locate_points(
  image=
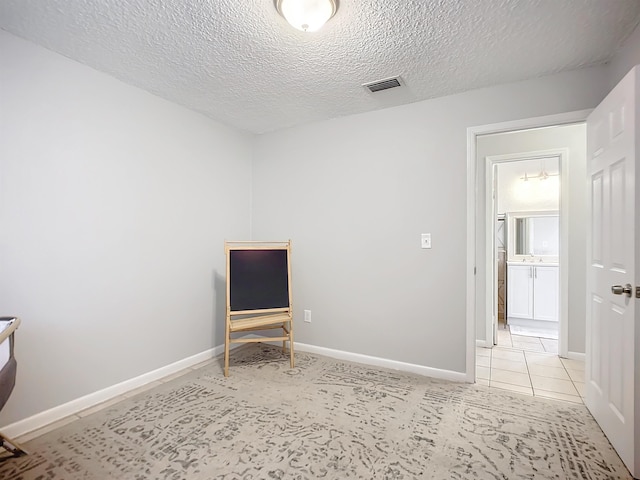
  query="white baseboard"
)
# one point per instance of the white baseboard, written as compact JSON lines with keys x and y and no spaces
{"x":73,"y":407}
{"x":59,"y":412}
{"x":373,"y":361}
{"x":484,"y":344}
{"x":576,"y":356}
{"x":383,"y":362}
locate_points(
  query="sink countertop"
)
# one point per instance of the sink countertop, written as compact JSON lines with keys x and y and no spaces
{"x":538,"y":263}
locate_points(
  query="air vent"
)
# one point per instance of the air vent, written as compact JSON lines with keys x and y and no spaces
{"x":385,"y":84}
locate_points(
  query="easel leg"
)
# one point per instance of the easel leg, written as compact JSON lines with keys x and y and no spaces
{"x":291,"y":344}
{"x":226,"y":350}
{"x":12,"y":446}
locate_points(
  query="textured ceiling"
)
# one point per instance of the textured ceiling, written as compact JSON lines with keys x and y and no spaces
{"x":239,"y":62}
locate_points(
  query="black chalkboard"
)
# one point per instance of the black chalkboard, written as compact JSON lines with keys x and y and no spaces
{"x":258,"y":279}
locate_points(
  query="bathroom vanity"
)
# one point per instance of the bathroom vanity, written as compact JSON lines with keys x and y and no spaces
{"x":533,"y":280}
{"x":532,"y":292}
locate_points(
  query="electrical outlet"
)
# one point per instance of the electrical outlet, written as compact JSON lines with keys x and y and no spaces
{"x":307,"y":316}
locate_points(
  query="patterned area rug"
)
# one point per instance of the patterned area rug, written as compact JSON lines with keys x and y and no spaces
{"x":324,"y":419}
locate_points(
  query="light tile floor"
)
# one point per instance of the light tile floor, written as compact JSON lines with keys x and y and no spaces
{"x":530,"y":365}
{"x":531,"y":344}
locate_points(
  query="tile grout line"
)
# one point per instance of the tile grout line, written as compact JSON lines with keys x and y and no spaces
{"x":533,"y":392}
{"x":524,"y":356}
{"x":524,"y":353}
{"x":572,"y":380}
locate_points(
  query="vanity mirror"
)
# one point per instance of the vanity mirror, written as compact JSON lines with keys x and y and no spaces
{"x":533,"y":236}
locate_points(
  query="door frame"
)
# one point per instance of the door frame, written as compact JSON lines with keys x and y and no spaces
{"x":476,"y":287}
{"x":562,"y":154}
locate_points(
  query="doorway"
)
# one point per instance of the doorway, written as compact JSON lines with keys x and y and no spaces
{"x":525,"y":221}
{"x":567,"y":144}
{"x":480,"y":240}
{"x":533,"y":165}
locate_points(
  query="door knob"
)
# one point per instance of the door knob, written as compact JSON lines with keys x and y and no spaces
{"x":619,"y":289}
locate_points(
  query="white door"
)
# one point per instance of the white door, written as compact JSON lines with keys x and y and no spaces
{"x":546,"y":293}
{"x":613,"y":327}
{"x":520,"y":291}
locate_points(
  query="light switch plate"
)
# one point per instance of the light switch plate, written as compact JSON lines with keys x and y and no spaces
{"x":426,"y":240}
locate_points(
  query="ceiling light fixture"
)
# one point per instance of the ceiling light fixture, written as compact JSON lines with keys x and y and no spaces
{"x":307,"y":15}
{"x":543,"y":175}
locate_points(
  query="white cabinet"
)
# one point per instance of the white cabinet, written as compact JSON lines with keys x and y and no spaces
{"x":545,"y":293}
{"x":520,"y":291}
{"x":533,"y":292}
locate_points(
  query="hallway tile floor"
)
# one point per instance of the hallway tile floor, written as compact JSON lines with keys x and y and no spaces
{"x":532,"y":344}
{"x":531,"y":366}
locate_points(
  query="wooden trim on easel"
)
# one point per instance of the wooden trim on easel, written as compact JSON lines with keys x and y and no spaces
{"x":253,"y":312}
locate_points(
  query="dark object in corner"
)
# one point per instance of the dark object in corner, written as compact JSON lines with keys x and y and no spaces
{"x":8,"y":371}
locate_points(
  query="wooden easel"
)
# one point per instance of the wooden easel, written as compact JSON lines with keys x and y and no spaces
{"x":265,"y":302}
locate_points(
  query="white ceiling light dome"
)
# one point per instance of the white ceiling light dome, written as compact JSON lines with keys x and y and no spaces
{"x":307,"y":15}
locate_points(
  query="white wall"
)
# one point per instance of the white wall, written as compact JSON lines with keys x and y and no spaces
{"x":626,"y":58}
{"x":114,"y":205}
{"x":572,"y":137}
{"x":354,"y":194}
{"x":516,"y":195}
